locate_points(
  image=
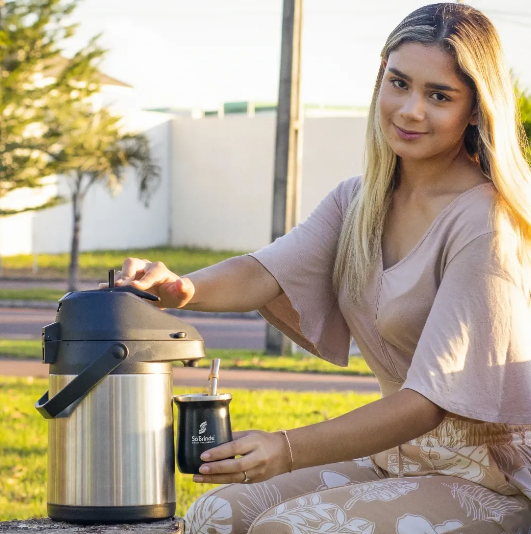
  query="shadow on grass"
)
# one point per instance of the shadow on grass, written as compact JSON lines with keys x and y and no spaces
{"x":24,"y":452}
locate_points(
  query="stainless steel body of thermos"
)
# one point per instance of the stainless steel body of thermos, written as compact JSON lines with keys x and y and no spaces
{"x":111,"y":455}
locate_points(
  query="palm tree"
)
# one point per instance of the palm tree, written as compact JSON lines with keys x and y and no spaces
{"x":90,"y":148}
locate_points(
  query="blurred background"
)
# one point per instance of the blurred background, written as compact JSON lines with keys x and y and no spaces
{"x":200,"y":82}
{"x":148,"y":130}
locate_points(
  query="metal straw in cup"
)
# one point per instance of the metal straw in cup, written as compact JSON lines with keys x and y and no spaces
{"x":213,"y":377}
{"x":204,"y":422}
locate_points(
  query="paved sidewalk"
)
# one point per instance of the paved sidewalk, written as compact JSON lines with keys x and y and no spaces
{"x":231,"y":379}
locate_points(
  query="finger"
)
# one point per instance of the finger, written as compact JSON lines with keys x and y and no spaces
{"x":182,"y":289}
{"x":231,"y":466}
{"x":117,"y":278}
{"x":155,"y":274}
{"x":241,"y":434}
{"x":132,"y":269}
{"x":236,"y":447}
{"x":235,"y":478}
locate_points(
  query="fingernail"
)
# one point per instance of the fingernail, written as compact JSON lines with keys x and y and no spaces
{"x":205,"y":456}
{"x":204,"y":469}
{"x":197,"y":478}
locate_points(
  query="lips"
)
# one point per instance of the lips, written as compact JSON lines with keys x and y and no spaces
{"x":409,"y":131}
{"x":408,"y":135}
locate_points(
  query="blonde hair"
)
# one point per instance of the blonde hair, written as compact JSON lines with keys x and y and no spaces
{"x":497,"y":143}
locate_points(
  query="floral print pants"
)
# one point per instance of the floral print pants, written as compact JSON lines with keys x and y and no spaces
{"x":358,"y":497}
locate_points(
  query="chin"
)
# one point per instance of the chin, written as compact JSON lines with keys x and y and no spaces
{"x":409,"y":152}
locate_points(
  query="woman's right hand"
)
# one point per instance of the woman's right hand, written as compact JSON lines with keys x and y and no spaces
{"x":157,"y":279}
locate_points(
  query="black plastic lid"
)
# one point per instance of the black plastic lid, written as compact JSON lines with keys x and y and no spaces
{"x":115,"y":314}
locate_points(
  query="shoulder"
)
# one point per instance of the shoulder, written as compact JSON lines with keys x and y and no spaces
{"x":473,"y":214}
{"x":481,"y":236}
{"x":344,"y":192}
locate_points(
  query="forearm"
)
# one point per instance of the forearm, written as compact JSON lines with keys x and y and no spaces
{"x":237,"y":284}
{"x":373,"y":428}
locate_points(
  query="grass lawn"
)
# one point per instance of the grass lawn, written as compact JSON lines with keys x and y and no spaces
{"x":94,"y":265}
{"x":31,"y":294}
{"x":230,"y":359}
{"x":23,"y":439}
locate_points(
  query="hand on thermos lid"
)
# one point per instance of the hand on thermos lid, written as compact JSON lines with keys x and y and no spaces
{"x":157,"y":279}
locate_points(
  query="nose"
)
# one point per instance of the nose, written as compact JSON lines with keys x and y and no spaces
{"x":413,"y":108}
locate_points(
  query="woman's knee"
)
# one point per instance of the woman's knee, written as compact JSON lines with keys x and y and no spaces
{"x":213,"y":510}
{"x":230,"y":509}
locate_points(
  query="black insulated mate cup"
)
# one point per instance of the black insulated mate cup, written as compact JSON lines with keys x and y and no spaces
{"x":204,"y":423}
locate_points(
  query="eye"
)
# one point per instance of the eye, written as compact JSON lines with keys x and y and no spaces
{"x":393,"y":80}
{"x":444,"y":97}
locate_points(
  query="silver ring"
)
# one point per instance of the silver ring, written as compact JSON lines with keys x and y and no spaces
{"x":246,"y":479}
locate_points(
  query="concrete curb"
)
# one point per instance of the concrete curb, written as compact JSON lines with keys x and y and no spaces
{"x":36,"y":304}
{"x":52,"y":305}
{"x":174,"y":525}
{"x":232,"y":378}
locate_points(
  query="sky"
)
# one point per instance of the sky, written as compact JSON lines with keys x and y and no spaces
{"x":201,"y":53}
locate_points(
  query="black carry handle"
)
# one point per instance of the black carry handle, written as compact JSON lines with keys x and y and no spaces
{"x":83,"y":383}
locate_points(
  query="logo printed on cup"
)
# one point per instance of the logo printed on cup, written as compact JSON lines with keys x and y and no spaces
{"x":203,"y":439}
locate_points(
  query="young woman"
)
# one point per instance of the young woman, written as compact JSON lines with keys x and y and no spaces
{"x":425,"y":261}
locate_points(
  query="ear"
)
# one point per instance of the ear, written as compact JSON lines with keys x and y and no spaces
{"x":474,"y":117}
{"x":384,"y":63}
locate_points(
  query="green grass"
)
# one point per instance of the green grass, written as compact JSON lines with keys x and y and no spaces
{"x":230,"y":359}
{"x":32,"y":294}
{"x":23,"y":439}
{"x":94,"y":265}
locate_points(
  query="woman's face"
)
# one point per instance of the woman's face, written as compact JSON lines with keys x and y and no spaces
{"x":422,"y":93}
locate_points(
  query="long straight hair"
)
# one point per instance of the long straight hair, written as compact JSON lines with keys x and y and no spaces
{"x":497,"y":143}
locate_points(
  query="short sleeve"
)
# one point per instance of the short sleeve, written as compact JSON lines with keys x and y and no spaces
{"x":302,"y":262}
{"x":473,"y":357}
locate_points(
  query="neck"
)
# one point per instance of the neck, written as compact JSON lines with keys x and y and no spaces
{"x":434,"y":175}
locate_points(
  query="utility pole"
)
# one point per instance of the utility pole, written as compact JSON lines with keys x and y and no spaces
{"x":288,"y":146}
{"x":2,"y":5}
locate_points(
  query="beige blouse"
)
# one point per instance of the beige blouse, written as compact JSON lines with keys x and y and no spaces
{"x":451,"y":320}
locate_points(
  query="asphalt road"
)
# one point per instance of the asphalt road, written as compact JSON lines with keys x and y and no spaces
{"x":218,"y":333}
{"x":223,"y":333}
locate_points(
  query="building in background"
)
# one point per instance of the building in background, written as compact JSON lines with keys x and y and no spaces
{"x":216,"y":184}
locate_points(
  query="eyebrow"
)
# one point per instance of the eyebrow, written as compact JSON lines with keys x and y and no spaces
{"x":439,"y":86}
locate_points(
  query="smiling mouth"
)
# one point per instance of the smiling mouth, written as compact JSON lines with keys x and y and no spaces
{"x":408,"y":131}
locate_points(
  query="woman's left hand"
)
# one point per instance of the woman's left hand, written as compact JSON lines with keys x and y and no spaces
{"x":263,"y":456}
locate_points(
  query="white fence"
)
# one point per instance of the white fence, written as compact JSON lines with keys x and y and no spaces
{"x":216,"y":187}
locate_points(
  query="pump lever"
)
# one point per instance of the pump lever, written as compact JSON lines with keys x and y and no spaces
{"x":128,"y":289}
{"x":134,"y":290}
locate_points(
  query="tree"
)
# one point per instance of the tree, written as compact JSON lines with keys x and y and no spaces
{"x":30,"y":35}
{"x":48,"y":124}
{"x":524,"y":105}
{"x":90,"y":148}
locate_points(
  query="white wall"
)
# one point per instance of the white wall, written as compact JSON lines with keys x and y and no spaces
{"x":108,"y":222}
{"x":223,"y":175}
{"x":216,"y":187}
